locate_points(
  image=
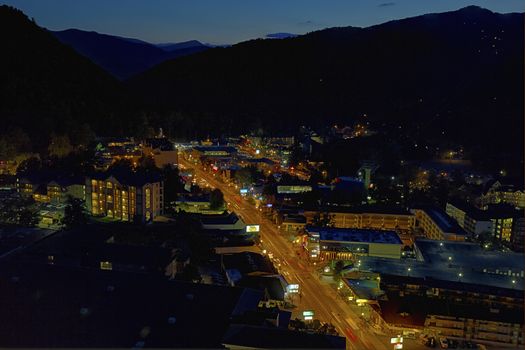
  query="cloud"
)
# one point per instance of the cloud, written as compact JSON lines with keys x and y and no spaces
{"x":308,"y":23}
{"x":386,"y":4}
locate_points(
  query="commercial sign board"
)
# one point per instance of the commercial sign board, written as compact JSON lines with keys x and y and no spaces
{"x":293,"y":288}
{"x":308,"y":315}
{"x":293,"y":189}
{"x":396,"y":340}
{"x":244,"y":190}
{"x":252,"y":228}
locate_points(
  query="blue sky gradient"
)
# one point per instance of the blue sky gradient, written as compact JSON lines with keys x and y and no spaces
{"x":230,"y":21}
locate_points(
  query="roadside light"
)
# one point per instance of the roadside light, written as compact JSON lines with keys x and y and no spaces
{"x":449,"y":258}
{"x":441,"y":244}
{"x":264,"y":251}
{"x":513,"y":281}
{"x":409,"y":269}
{"x":460,"y":274}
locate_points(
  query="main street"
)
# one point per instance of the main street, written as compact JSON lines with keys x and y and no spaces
{"x":315,"y":295}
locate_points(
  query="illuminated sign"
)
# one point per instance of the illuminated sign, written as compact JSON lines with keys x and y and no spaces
{"x":308,"y":315}
{"x":396,"y":340}
{"x":293,"y":189}
{"x":244,"y":190}
{"x":252,"y":228}
{"x":293,"y":288}
{"x":398,"y":346}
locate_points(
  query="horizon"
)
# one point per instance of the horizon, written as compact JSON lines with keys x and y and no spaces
{"x":229,"y":22}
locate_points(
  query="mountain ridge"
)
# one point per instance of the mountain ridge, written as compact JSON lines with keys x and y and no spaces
{"x":123,"y":57}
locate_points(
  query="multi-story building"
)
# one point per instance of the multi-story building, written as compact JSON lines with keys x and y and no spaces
{"x":436,"y":224}
{"x":455,"y":289}
{"x":328,"y":243}
{"x":367,"y":217}
{"x":45,"y":188}
{"x":495,"y":220}
{"x":127,"y":196}
{"x":500,"y":193}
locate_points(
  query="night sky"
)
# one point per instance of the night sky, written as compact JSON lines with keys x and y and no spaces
{"x":230,"y":21}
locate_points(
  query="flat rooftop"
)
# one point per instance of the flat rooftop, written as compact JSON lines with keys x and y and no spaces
{"x":455,"y":262}
{"x":355,"y":235}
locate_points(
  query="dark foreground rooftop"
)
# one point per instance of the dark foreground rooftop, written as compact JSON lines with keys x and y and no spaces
{"x":50,"y":306}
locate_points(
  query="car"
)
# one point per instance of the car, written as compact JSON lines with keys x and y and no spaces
{"x":443,"y":342}
{"x":431,"y":342}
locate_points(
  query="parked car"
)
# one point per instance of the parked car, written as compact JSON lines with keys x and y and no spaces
{"x":443,"y":342}
{"x":431,"y":342}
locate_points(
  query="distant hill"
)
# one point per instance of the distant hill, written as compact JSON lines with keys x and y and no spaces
{"x":46,"y":86}
{"x":454,"y":76}
{"x":124,"y":57}
{"x":182,"y":45}
{"x":280,"y":35}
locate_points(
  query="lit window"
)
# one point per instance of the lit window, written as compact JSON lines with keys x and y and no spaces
{"x":148,"y":198}
{"x":109,"y":185}
{"x":106,"y":265}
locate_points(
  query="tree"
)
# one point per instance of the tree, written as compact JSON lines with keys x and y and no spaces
{"x":172,"y":183}
{"x":191,"y":274}
{"x":74,"y":213}
{"x":216,"y":199}
{"x":323,"y":220}
{"x":338,"y":269}
{"x":147,"y":162}
{"x":82,"y":136}
{"x":59,"y":146}
{"x":121,"y":165}
{"x":29,"y":165}
{"x":244,"y":176}
{"x":19,"y":212}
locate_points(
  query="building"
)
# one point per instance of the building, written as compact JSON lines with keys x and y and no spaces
{"x":436,"y":224}
{"x":293,"y":223}
{"x":193,"y":203}
{"x":372,"y":217}
{"x":45,"y":305}
{"x":213,"y":151}
{"x":126,"y":195}
{"x":497,"y":192}
{"x":241,"y":336}
{"x":163,"y":151}
{"x":344,"y":244}
{"x":51,"y":188}
{"x":496,"y":221}
{"x":225,"y":221}
{"x":455,"y":289}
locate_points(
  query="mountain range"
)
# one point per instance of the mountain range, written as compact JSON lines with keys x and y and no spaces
{"x":452,"y":77}
{"x":124,"y":57}
{"x":458,"y":74}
